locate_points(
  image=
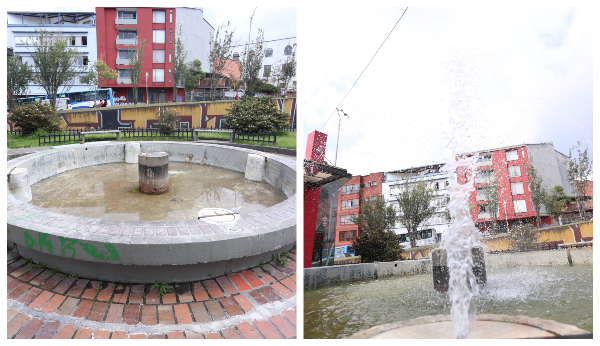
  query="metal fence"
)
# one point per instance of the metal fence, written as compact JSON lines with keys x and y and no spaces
{"x":261,"y":137}
{"x":187,"y":133}
{"x":59,"y":138}
{"x":15,"y":132}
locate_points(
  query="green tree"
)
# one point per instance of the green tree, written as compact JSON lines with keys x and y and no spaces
{"x":253,"y":114}
{"x":99,"y":73}
{"x":194,"y":74}
{"x":136,"y":61}
{"x":263,"y":87}
{"x":579,"y":171}
{"x":180,"y":68}
{"x":556,"y":200}
{"x":167,"y":119}
{"x":415,"y":207}
{"x":35,"y":116}
{"x":18,"y":76}
{"x":54,"y":63}
{"x":220,"y":55}
{"x":252,"y":62}
{"x":288,"y":69}
{"x":376,"y":241}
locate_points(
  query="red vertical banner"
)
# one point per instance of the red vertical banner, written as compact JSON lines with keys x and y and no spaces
{"x":315,"y":151}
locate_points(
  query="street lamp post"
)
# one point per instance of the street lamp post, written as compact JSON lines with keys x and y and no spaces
{"x":147,"y":96}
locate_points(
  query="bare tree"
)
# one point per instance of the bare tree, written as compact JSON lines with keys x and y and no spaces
{"x":538,"y":192}
{"x":415,"y":207}
{"x":180,"y":68}
{"x":18,"y":76}
{"x":136,"y":61}
{"x":220,"y":55}
{"x":54,"y":63}
{"x":579,"y":171}
{"x":252,"y":61}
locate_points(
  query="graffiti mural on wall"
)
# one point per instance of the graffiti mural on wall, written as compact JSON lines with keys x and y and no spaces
{"x":109,"y":119}
{"x":68,"y":248}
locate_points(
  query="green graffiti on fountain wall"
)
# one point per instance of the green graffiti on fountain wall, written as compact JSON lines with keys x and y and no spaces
{"x":67,"y":246}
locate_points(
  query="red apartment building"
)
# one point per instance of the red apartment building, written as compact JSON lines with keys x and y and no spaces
{"x":118,"y":29}
{"x":349,"y":204}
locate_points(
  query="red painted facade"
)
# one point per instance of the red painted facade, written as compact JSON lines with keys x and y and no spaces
{"x":370,"y":186}
{"x":315,"y":151}
{"x":106,"y":31}
{"x":506,"y":198}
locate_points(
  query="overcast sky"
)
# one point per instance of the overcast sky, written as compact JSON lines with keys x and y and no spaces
{"x":505,"y":76}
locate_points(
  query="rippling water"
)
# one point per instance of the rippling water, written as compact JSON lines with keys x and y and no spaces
{"x":559,"y":293}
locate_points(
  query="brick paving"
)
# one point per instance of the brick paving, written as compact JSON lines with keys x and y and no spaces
{"x":45,"y":304}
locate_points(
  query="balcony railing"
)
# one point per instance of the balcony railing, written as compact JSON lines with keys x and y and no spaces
{"x":125,"y":21}
{"x":126,"y":41}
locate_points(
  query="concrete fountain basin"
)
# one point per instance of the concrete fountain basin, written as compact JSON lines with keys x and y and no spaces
{"x":144,"y":252}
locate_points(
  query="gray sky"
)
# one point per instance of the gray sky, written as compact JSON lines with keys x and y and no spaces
{"x":505,"y":76}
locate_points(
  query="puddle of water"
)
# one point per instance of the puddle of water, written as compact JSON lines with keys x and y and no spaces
{"x":111,"y":191}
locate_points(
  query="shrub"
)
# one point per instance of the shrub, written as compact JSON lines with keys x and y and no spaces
{"x":167,"y":119}
{"x":378,"y":245}
{"x":35,"y":116}
{"x":254,"y":114}
{"x":263,"y":87}
{"x":523,"y":237}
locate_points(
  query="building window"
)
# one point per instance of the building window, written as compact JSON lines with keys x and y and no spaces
{"x":82,"y":61}
{"x":171,"y":16}
{"x":236,"y":56}
{"x":158,"y":16}
{"x":350,"y":189}
{"x":170,"y":77}
{"x":127,"y":14}
{"x":269,"y":53}
{"x":84,"y":40}
{"x":346,"y":219}
{"x":170,"y":55}
{"x":484,"y":157}
{"x":512,"y":155}
{"x":267,"y":71}
{"x":72,"y":41}
{"x":158,"y":56}
{"x":487,"y":174}
{"x":483,"y":208}
{"x":373,"y":183}
{"x":126,"y":54}
{"x":514,"y":171}
{"x":520,"y":206}
{"x":127,"y":34}
{"x":158,"y":36}
{"x":348,"y":235}
{"x":158,"y":75}
{"x":171,"y":36}
{"x":124,"y":73}
{"x":481,"y":192}
{"x":517,"y":188}
{"x":287,"y":50}
{"x":350,"y":204}
{"x":140,"y":95}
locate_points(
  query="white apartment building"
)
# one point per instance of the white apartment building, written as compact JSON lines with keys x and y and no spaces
{"x":434,"y":229}
{"x":81,"y":25}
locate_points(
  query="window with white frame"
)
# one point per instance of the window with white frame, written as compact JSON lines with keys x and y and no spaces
{"x":373,"y":183}
{"x":127,"y":14}
{"x":481,"y":191}
{"x":483,"y":208}
{"x":269,"y":53}
{"x":287,"y":50}
{"x":349,"y":204}
{"x":267,"y":71}
{"x":346,"y":220}
{"x":395,"y":190}
{"x":514,"y":171}
{"x":158,"y":16}
{"x":517,"y":188}
{"x":158,"y":55}
{"x":484,"y":157}
{"x":170,"y":52}
{"x":520,"y":206}
{"x":484,"y":174}
{"x":84,"y":40}
{"x":171,"y":16}
{"x":512,"y":155}
{"x":170,"y":78}
{"x":158,"y":36}
{"x":171,"y":36}
{"x":126,"y":53}
{"x":350,"y":189}
{"x":126,"y":34}
{"x":124,"y":73}
{"x":158,"y":75}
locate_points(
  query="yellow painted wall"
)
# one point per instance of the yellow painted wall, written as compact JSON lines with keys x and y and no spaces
{"x":587,"y":230}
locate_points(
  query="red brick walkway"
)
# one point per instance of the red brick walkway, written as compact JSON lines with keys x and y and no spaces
{"x":254,"y":304}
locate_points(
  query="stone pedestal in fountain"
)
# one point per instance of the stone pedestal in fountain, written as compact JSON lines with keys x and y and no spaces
{"x":153,"y":170}
{"x":18,"y":184}
{"x":441,"y":273}
{"x":487,"y":326}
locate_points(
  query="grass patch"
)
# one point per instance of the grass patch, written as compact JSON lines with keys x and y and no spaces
{"x":284,"y":140}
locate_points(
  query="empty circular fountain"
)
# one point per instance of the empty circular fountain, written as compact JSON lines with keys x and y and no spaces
{"x":177,"y":249}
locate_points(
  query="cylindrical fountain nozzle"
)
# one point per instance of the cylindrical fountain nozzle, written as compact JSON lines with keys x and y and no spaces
{"x":153,"y":169}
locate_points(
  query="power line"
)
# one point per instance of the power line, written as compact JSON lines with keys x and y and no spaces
{"x":279,"y":39}
{"x":332,"y":113}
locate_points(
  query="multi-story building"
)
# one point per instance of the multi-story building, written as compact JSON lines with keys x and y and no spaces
{"x":509,"y":168}
{"x":121,"y":29}
{"x":350,"y":197}
{"x":276,"y":53}
{"x":395,"y":181}
{"x":23,"y":26}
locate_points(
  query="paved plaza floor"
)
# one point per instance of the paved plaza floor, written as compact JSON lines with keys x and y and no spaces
{"x":254,"y":304}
